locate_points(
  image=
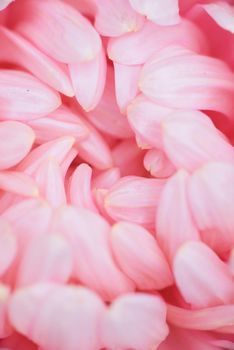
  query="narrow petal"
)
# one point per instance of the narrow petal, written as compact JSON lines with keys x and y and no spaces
{"x":88,"y":79}
{"x":8,"y":246}
{"x":191,"y":140}
{"x":50,"y":181}
{"x":174,"y":223}
{"x":136,"y":48}
{"x":222,"y":13}
{"x":5,"y":327}
{"x":202,"y":278}
{"x":77,"y":311}
{"x":80,"y":192}
{"x":16,"y":140}
{"x":158,"y":165}
{"x":46,"y":258}
{"x":34,"y":98}
{"x":134,"y":199}
{"x":116,"y":17}
{"x":56,"y":149}
{"x":94,"y":267}
{"x":139,"y":256}
{"x":126,"y":79}
{"x":180,"y":78}
{"x":211,"y":318}
{"x":20,"y":51}
{"x":18,"y":183}
{"x":135,"y":321}
{"x":52,"y":27}
{"x":160,"y":12}
{"x":145,"y":118}
{"x":211,"y":199}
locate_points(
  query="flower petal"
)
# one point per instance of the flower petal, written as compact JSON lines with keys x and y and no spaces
{"x":222,"y":13}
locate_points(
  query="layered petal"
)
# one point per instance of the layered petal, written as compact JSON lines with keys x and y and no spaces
{"x":136,"y":48}
{"x":135,"y":321}
{"x":88,"y":235}
{"x":211,"y":199}
{"x":46,"y":258}
{"x":160,"y":12}
{"x":191,"y":140}
{"x":174,"y":222}
{"x":180,"y":78}
{"x":77,"y":311}
{"x":134,"y":199}
{"x":139,"y":256}
{"x":52,"y":27}
{"x":202,"y":278}
{"x":20,"y":51}
{"x":34,"y":98}
{"x":116,"y":17}
{"x":88,"y":79}
{"x":16,"y":140}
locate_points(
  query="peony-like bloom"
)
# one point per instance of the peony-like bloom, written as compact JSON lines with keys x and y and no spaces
{"x":116,"y":174}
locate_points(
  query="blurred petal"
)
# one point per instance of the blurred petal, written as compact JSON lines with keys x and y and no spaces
{"x":160,"y":12}
{"x":211,"y":199}
{"x":138,"y":47}
{"x":5,"y":327}
{"x":19,"y":51}
{"x":116,"y":17}
{"x":8,"y":246}
{"x":135,"y":321}
{"x":139,"y":256}
{"x":88,"y":79}
{"x":18,"y":183}
{"x":52,"y":27}
{"x":202,"y":278}
{"x":77,"y":311}
{"x":174,"y":223}
{"x":222,"y":13}
{"x":34,"y":98}
{"x":16,"y":140}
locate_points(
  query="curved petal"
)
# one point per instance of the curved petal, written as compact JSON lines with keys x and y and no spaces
{"x":158,"y":165}
{"x":222,"y":13}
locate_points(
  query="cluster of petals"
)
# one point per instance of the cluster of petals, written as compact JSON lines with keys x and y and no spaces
{"x":116,"y":174}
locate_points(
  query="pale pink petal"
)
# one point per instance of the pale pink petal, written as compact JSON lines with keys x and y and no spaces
{"x":134,"y":199}
{"x":8,"y":246}
{"x":107,"y":117}
{"x":139,"y":256}
{"x":50,"y":181}
{"x":65,"y":164}
{"x":222,"y":13}
{"x":88,"y":79}
{"x":56,"y":149}
{"x":116,"y":17}
{"x":174,"y":223}
{"x":126,"y":80}
{"x":23,"y":214}
{"x":211,"y":199}
{"x":34,"y":98}
{"x":202,"y":278}
{"x":86,"y":7}
{"x":16,"y":140}
{"x":138,"y":47}
{"x":53,"y":26}
{"x":162,"y":12}
{"x":106,"y":178}
{"x":205,"y":319}
{"x":80,"y":192}
{"x":4,"y":4}
{"x":19,"y":51}
{"x":129,"y":158}
{"x":88,"y":235}
{"x":46,"y":258}
{"x":18,"y":183}
{"x":5,"y":327}
{"x":63,"y":316}
{"x":157,"y":163}
{"x":135,"y":321}
{"x":145,"y":118}
{"x":231,"y":261}
{"x":190,"y":140}
{"x":180,"y":78}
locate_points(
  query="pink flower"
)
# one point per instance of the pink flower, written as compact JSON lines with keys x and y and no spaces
{"x":116,"y":175}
